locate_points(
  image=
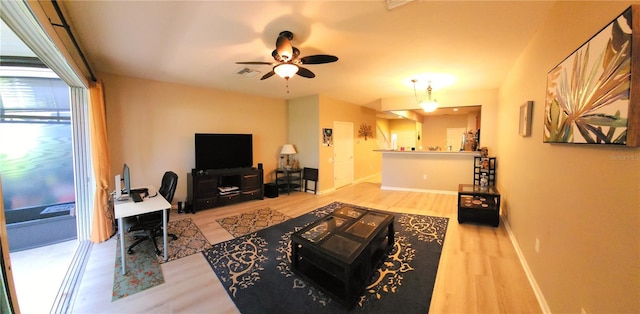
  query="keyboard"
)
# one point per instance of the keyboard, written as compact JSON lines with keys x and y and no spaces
{"x":136,"y":197}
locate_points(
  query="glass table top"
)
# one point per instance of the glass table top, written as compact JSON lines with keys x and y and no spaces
{"x":366,"y":225}
{"x":322,"y":228}
{"x":470,"y":188}
{"x":345,"y":231}
{"x":349,"y":212}
{"x":341,"y":245}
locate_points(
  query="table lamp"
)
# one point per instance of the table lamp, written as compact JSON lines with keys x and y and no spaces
{"x":288,"y":149}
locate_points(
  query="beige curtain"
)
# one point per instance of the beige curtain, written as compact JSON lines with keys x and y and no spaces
{"x":102,"y":225}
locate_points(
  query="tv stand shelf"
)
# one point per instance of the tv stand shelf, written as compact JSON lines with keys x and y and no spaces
{"x":215,"y":188}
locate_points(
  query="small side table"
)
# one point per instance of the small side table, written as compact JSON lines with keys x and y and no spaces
{"x":478,"y":204}
{"x":289,"y":179}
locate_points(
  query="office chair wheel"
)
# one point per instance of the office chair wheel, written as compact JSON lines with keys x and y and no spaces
{"x":173,"y":236}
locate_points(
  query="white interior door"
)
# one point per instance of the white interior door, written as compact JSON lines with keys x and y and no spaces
{"x":342,"y":153}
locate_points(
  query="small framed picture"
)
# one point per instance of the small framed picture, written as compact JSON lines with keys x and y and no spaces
{"x":525,"y":119}
{"x":327,"y":137}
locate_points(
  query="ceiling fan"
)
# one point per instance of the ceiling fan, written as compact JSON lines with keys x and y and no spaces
{"x":287,"y":63}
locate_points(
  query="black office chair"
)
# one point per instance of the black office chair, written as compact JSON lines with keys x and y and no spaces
{"x":151,"y":224}
{"x":310,"y":174}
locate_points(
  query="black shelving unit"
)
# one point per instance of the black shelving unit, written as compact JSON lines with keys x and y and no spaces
{"x":484,"y":165}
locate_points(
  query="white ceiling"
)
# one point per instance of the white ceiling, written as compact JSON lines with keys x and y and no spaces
{"x":380,"y":50}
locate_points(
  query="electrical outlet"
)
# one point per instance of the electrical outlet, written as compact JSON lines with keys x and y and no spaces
{"x":537,"y":245}
{"x":424,"y":177}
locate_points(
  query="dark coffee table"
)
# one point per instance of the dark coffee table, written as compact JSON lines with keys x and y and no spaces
{"x":340,"y":251}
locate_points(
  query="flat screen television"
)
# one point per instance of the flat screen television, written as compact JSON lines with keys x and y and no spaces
{"x":223,"y":151}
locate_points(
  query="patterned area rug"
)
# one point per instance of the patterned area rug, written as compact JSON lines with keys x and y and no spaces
{"x":143,"y":267}
{"x":255,"y":269}
{"x":252,"y":221}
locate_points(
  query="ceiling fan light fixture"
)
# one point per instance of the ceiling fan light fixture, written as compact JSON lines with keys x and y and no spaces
{"x":286,"y":70}
{"x":286,"y":52}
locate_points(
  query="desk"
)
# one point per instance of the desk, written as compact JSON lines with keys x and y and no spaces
{"x":128,"y":208}
{"x":285,"y":182}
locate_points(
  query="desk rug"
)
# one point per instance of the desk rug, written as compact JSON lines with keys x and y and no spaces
{"x":255,"y":269}
{"x":143,"y":267}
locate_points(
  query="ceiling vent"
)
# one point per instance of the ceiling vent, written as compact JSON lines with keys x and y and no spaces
{"x":392,"y":4}
{"x":247,"y":72}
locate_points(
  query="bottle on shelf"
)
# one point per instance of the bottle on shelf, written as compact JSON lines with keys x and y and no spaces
{"x":484,"y":181}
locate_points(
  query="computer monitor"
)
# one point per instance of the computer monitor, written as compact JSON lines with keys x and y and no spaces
{"x":126,"y":177}
{"x":118,"y":187}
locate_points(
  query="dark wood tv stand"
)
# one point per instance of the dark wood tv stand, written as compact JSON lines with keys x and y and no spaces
{"x":214,"y":188}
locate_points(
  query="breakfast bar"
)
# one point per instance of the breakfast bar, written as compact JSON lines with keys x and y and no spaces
{"x":426,"y":171}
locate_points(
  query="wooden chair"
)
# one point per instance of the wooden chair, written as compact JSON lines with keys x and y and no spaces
{"x":310,"y":174}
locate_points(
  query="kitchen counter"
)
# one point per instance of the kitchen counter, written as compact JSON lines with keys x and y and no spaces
{"x":426,"y":171}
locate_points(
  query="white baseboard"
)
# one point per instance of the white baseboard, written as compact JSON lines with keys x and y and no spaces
{"x":392,"y":188}
{"x":532,"y":280}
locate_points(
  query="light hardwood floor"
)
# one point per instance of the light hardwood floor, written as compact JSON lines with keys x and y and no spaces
{"x":38,"y":274}
{"x":479,"y":270}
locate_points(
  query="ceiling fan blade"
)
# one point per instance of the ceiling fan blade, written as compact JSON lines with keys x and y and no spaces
{"x":268,"y":75}
{"x":305,"y":72}
{"x":255,"y":62}
{"x":318,"y":59}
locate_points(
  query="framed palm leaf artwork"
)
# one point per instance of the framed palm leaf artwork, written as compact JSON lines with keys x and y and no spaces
{"x":593,"y":96}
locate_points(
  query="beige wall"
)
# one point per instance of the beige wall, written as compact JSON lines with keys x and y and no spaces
{"x":439,"y":172}
{"x":383,"y":137}
{"x":366,"y":161}
{"x":303,"y":130}
{"x":582,"y":202}
{"x":406,"y":131}
{"x":487,"y":98}
{"x":151,"y":126}
{"x":434,"y":129}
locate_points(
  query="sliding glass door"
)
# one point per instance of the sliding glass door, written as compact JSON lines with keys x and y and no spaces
{"x":28,"y":21}
{"x":36,"y":157}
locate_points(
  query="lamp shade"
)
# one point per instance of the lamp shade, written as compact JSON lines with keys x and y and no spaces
{"x":287,"y":149}
{"x":286,"y":70}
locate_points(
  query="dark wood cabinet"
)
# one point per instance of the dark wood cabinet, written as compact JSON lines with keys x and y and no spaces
{"x":214,"y":188}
